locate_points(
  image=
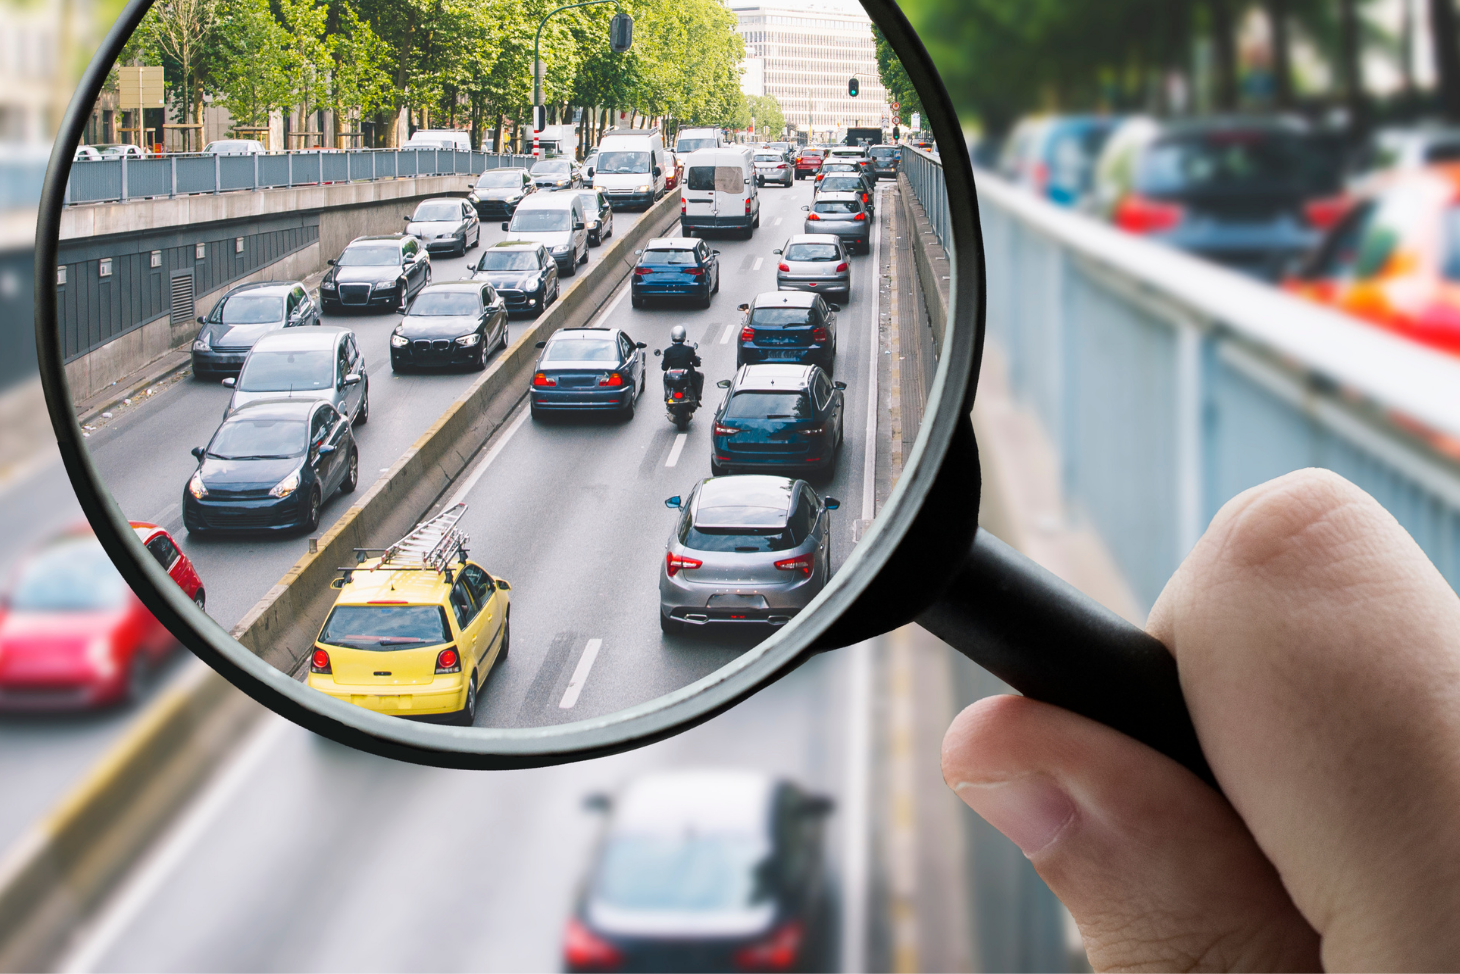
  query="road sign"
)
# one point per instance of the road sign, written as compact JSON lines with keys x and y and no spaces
{"x":896,"y":106}
{"x":139,"y":87}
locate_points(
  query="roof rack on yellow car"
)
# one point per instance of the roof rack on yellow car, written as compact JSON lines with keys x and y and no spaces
{"x":430,"y":546}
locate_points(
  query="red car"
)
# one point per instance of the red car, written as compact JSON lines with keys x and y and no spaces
{"x":671,"y":175}
{"x":808,"y":162}
{"x":73,"y":635}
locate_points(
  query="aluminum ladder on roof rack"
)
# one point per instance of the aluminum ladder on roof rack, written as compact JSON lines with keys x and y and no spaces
{"x":431,"y":544}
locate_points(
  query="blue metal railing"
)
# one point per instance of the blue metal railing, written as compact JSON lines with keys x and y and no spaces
{"x":925,"y":172}
{"x":1168,"y":385}
{"x":119,"y":180}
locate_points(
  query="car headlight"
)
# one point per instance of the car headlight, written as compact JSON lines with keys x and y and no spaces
{"x":473,"y":198}
{"x":326,"y":285}
{"x":399,"y":341}
{"x":643,"y":189}
{"x":563,"y":249}
{"x":201,"y":345}
{"x":562,"y":182}
{"x":195,"y":486}
{"x":286,"y":486}
{"x":512,"y":199}
{"x":386,"y":284}
{"x":102,"y":658}
{"x":467,"y":341}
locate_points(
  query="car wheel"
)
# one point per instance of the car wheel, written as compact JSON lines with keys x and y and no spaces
{"x":670,"y":627}
{"x":480,"y":362}
{"x":506,"y":636}
{"x":200,"y":599}
{"x":311,"y":520}
{"x":363,"y":416}
{"x":536,"y":414}
{"x":636,"y":301}
{"x":716,"y":470}
{"x":467,"y":715}
{"x":352,"y":473}
{"x":585,"y":254}
{"x":629,"y":410}
{"x":705,"y":301}
{"x":570,"y":270}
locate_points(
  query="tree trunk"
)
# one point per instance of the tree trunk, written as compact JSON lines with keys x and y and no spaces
{"x":1282,"y":72}
{"x":1224,"y":44}
{"x":1447,"y":56}
{"x":1350,"y":66}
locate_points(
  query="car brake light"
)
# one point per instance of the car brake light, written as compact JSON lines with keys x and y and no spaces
{"x":448,"y":661}
{"x":683,"y":205}
{"x":819,"y":334}
{"x":542,"y":379}
{"x":812,"y":216}
{"x":843,"y":267}
{"x":778,"y":952}
{"x":783,"y":267}
{"x":864,"y":197}
{"x":641,"y":271}
{"x":694,"y":271}
{"x":612,"y":379}
{"x":859,"y":218}
{"x":747,"y":206}
{"x":1137,"y":214}
{"x":583,"y":950}
{"x":747,"y":334}
{"x":725,"y":430}
{"x":1323,"y":214}
{"x":801,"y":563}
{"x":320,"y":662}
{"x":673,"y":563}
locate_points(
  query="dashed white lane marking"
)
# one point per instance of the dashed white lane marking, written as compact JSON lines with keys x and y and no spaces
{"x":580,"y":675}
{"x":777,"y":223}
{"x":170,"y":514}
{"x":676,"y":449}
{"x":481,"y":468}
{"x":759,"y":261}
{"x":725,"y":337}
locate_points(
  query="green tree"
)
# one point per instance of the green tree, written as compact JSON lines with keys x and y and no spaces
{"x":252,"y":76}
{"x":899,"y":86}
{"x":180,"y":31}
{"x":770,"y":121}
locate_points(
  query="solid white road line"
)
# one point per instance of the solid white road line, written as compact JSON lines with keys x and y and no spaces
{"x":869,"y":455}
{"x":759,"y":260}
{"x":725,"y":336}
{"x":124,"y":909}
{"x":676,"y":449}
{"x":613,"y":304}
{"x":486,"y":461}
{"x":580,"y":675}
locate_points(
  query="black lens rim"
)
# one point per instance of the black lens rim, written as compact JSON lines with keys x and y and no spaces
{"x":944,"y":429}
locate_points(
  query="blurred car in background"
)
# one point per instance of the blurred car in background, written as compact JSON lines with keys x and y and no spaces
{"x":674,"y":171}
{"x":1054,"y":156}
{"x":705,"y":871}
{"x":73,"y":635}
{"x":1253,"y":194}
{"x":234,"y":147}
{"x":885,"y":160}
{"x":808,"y":161}
{"x":1395,"y":150}
{"x":1394,"y":259}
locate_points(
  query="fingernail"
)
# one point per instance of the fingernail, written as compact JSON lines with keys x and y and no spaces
{"x":1030,"y":810}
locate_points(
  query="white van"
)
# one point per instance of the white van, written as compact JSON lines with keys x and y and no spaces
{"x":692,"y":140}
{"x":630,"y":167}
{"x":457,"y":139}
{"x":558,"y":222}
{"x":720,"y":192}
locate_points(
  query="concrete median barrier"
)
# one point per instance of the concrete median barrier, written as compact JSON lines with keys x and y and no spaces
{"x":64,"y":867}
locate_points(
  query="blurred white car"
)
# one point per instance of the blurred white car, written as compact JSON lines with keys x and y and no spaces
{"x":125,"y":150}
{"x":234,"y":147}
{"x":1399,"y":149}
{"x":87,"y":153}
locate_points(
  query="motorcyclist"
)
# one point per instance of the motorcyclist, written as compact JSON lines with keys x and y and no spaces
{"x":681,"y":356}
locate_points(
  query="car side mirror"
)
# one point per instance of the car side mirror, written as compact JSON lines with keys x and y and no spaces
{"x":230,"y":382}
{"x":656,"y":353}
{"x":674,"y":503}
{"x":743,"y":307}
{"x":201,"y":321}
{"x":806,"y":208}
{"x":638,"y":253}
{"x":840,"y":385}
{"x":330,"y":262}
{"x":715,"y":252}
{"x":505,"y":226}
{"x":325,"y":450}
{"x":723,"y":384}
{"x":776,"y":252}
{"x":831,"y":503}
{"x":542,"y":344}
{"x":502,"y":585}
{"x":579,"y":226}
{"x":352,"y":379}
{"x":834,"y":307}
{"x":597,"y":802}
{"x":198,"y":452}
{"x":640,"y":345}
{"x":407,"y":218}
{"x":658,"y":171}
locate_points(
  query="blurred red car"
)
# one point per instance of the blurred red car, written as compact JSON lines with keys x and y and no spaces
{"x":671,"y":175}
{"x":1394,"y":258}
{"x":73,"y":635}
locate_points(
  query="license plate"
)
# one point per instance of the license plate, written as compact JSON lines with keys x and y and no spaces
{"x":780,"y":356}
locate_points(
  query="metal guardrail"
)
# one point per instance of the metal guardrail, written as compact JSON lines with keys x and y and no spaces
{"x":1168,"y":385}
{"x":925,"y":171}
{"x":119,"y":180}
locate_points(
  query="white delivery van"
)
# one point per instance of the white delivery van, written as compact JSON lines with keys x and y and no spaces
{"x":719,"y":192}
{"x":630,"y":167}
{"x":692,"y":140}
{"x":458,"y":139}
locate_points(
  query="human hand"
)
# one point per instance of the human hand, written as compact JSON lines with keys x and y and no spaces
{"x":1319,"y":654}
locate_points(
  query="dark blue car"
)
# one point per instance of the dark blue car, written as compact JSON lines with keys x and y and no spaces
{"x":788,"y":326}
{"x":786,"y":417}
{"x":675,"y":267}
{"x":270,"y":467}
{"x":587,"y":370}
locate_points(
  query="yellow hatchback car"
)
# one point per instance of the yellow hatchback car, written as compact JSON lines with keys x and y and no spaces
{"x":413,"y":640}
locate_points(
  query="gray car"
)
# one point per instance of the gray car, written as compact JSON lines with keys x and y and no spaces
{"x":321,"y":363}
{"x":843,"y":214}
{"x":243,"y":316}
{"x":599,"y":213}
{"x":774,"y":167}
{"x":445,"y":225}
{"x":815,"y":262}
{"x":748,"y":549}
{"x":849,"y":182}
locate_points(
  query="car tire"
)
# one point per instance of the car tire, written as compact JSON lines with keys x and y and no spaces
{"x":670,"y":627}
{"x":352,"y":473}
{"x":467,"y":715}
{"x":585,"y":253}
{"x":506,"y":636}
{"x":636,"y":301}
{"x":480,"y":362}
{"x":628,"y":411}
{"x":716,"y":470}
{"x":536,"y":414}
{"x":571,"y":269}
{"x":363,"y":416}
{"x":200,"y":599}
{"x":705,"y":301}
{"x":311,"y":520}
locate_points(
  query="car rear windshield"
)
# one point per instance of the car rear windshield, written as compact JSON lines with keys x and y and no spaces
{"x":694,"y":145}
{"x":254,"y":439}
{"x":381,"y":628}
{"x":441,"y":304}
{"x":542,"y":221}
{"x":812,"y":252}
{"x":883,"y":152}
{"x":746,"y":541}
{"x":580,"y":350}
{"x":281,"y":371}
{"x":552,"y":166}
{"x":511,"y":179}
{"x":622,"y":163}
{"x":438,"y":212}
{"x":838,"y":206}
{"x":769,"y":405}
{"x":72,"y":576}
{"x":670,"y":257}
{"x":683,"y":870}
{"x":719,"y":179}
{"x":842,"y":184}
{"x":250,"y":309}
{"x":370,"y":256}
{"x":780,"y":317}
{"x":1230,"y":161}
{"x":763,"y":157}
{"x":508,"y":260}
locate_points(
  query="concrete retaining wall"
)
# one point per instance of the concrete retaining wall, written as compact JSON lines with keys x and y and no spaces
{"x":933,"y":266}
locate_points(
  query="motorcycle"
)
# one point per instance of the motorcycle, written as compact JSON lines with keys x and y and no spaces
{"x":680,"y":398}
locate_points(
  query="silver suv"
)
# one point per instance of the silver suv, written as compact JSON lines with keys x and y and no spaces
{"x":748,"y":549}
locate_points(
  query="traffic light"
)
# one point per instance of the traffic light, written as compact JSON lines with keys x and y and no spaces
{"x":854,"y":87}
{"x":620,"y":33}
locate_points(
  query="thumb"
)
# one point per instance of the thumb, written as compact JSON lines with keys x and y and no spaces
{"x":1155,"y":867}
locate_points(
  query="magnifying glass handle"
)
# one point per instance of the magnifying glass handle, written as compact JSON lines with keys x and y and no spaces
{"x":1051,"y":642}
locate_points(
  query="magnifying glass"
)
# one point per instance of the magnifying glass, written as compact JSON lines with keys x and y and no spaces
{"x":572,"y":588}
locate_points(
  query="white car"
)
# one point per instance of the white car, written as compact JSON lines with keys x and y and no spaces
{"x":126,"y":151}
{"x":234,"y":147}
{"x":87,"y":153}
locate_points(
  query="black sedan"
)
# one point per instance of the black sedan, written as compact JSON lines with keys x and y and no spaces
{"x":788,"y":327}
{"x":554,"y":174}
{"x":445,"y":225}
{"x":778,"y":416}
{"x":375,"y":272}
{"x":588,"y":370}
{"x":498,"y":191}
{"x":523,"y":273}
{"x":600,"y":215}
{"x":706,"y":871}
{"x":460,"y":323}
{"x":270,"y":467}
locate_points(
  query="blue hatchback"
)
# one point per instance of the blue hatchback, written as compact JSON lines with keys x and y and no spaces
{"x":778,"y":416}
{"x":788,"y":326}
{"x":675,"y":267}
